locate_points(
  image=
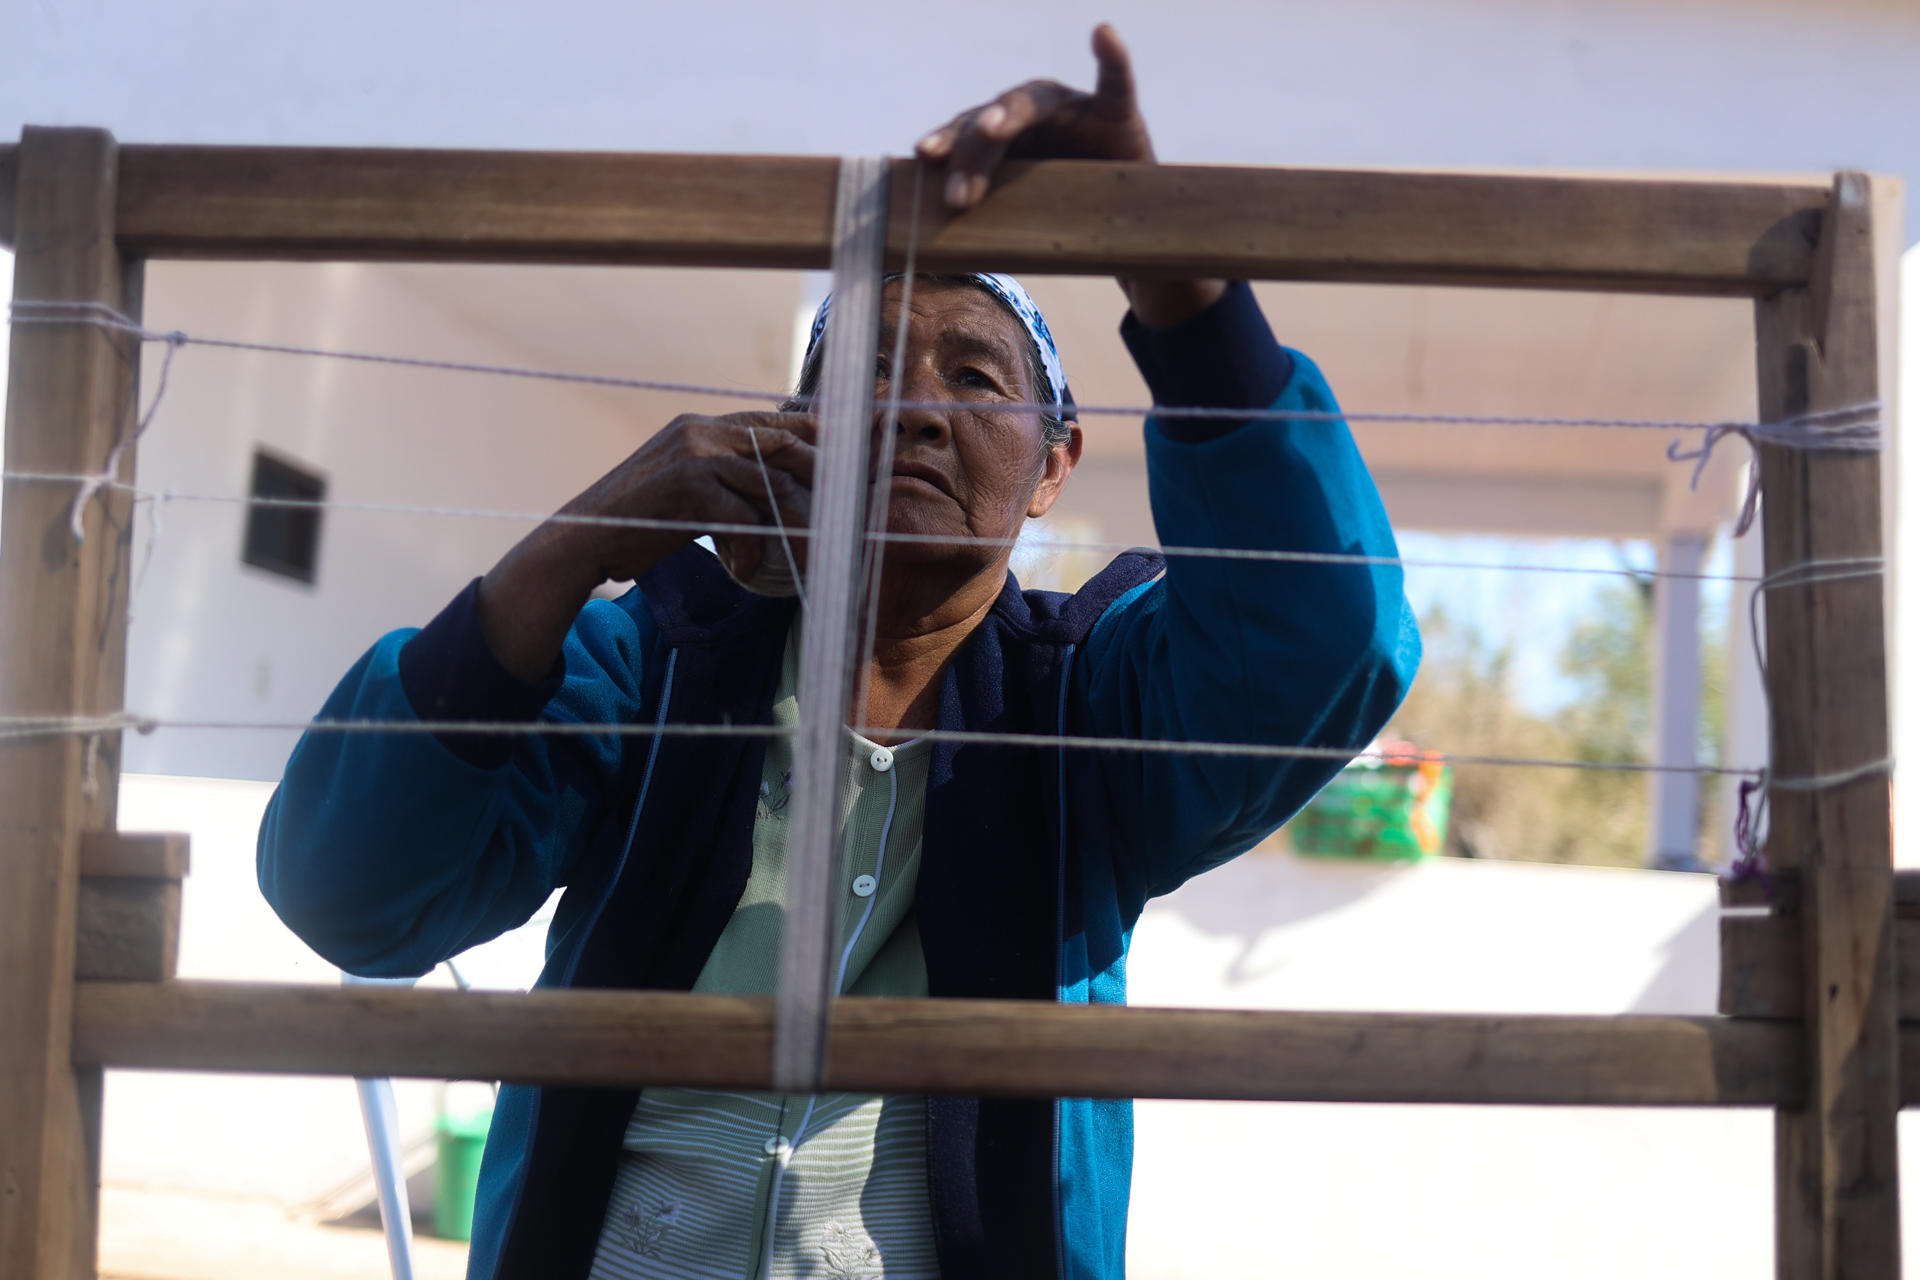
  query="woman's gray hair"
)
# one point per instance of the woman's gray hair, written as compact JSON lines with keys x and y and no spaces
{"x":1053,"y":428}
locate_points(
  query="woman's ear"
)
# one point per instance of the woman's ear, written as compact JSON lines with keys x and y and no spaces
{"x":1061,"y":460}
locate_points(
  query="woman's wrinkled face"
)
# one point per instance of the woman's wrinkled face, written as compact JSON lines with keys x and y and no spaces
{"x":965,"y":466}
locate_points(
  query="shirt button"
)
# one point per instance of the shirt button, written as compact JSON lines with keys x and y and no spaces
{"x":863,"y":886}
{"x":776,"y":1147}
{"x":881,"y":759}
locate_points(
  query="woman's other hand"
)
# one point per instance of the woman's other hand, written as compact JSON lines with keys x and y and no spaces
{"x":696,"y":473}
{"x":1047,"y":120}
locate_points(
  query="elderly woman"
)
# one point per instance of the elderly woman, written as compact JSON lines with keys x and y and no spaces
{"x":970,"y":870}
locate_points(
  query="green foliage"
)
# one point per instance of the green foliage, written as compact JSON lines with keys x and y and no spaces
{"x":1464,"y":704}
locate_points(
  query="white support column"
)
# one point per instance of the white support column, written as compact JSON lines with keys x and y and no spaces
{"x":1676,"y":704}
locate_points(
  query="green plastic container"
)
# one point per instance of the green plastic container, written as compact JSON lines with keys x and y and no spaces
{"x":1383,"y":811}
{"x":456,"y":1171}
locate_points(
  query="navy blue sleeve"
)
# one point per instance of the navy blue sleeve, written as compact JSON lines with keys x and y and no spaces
{"x":449,"y":673}
{"x":1225,"y":357}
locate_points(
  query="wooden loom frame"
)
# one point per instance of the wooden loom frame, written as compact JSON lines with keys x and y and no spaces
{"x":1816,"y":1034}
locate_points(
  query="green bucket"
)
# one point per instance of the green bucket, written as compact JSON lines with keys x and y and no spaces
{"x":456,"y":1171}
{"x":1392,"y":810}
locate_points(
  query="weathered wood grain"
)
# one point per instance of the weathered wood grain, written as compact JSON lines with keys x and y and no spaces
{"x":1763,"y":969}
{"x":128,"y":922}
{"x":1837,"y":1209}
{"x":1780,"y":893}
{"x":126,"y":930}
{"x":135,"y":855}
{"x":942,"y":1046}
{"x":62,"y":621}
{"x":1075,"y":217}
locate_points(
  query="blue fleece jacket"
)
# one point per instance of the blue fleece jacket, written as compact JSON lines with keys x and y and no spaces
{"x":388,"y":854}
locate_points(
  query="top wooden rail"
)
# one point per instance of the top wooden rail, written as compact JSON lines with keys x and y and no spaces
{"x":1059,"y":217}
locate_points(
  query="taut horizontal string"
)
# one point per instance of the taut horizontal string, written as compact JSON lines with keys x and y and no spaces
{"x":1248,"y":554}
{"x":1850,"y":427}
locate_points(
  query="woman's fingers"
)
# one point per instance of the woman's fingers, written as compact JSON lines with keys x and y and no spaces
{"x":1017,"y":110}
{"x":971,"y":158}
{"x":1045,"y":119}
{"x":1114,"y":85}
{"x":797,"y":423}
{"x":776,"y":497}
{"x":980,"y":141}
{"x":935,"y":146}
{"x":778,"y":449}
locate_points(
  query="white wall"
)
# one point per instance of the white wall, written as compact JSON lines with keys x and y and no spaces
{"x":215,"y":639}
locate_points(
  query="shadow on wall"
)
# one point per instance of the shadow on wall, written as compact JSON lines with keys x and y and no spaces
{"x":1276,"y":931}
{"x":1688,"y":978}
{"x":1269,"y":889}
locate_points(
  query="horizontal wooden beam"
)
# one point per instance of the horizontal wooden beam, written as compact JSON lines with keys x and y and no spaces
{"x":127,"y":915}
{"x":1763,"y":969}
{"x":135,"y":855}
{"x":126,"y":930}
{"x":302,"y":202}
{"x":941,"y":1046}
{"x":1780,"y":893}
{"x":1071,"y":217}
{"x":1353,"y":226}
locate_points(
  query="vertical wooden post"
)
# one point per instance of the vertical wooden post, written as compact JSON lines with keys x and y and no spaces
{"x":62,"y":644}
{"x":1837,"y":1176}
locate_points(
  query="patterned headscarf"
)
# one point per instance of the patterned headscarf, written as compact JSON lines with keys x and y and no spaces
{"x":1017,"y":300}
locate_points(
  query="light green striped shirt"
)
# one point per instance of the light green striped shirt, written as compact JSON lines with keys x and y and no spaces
{"x":735,"y":1186}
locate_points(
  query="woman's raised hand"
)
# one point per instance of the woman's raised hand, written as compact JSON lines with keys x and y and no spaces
{"x":1043,"y":120}
{"x":1047,"y":120}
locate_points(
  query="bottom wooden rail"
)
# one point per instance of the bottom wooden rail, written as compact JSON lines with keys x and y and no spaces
{"x":943,"y":1046}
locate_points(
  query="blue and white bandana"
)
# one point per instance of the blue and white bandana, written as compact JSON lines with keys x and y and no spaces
{"x":1017,"y":300}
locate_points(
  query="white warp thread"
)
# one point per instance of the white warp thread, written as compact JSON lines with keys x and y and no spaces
{"x":1755,"y":798}
{"x":779,"y":524}
{"x":1804,"y":574}
{"x":28,"y":726}
{"x":1173,"y":551}
{"x":881,"y":495}
{"x":1851,"y":427}
{"x":827,"y":645}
